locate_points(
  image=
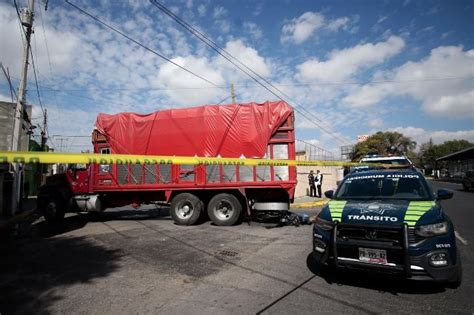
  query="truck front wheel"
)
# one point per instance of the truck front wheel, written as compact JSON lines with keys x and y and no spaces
{"x":186,"y":208}
{"x":224,"y":209}
{"x":53,"y":210}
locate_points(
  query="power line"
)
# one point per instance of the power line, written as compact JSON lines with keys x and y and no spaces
{"x":229,"y":57}
{"x":138,"y":43}
{"x":36,"y":80}
{"x":7,"y":76}
{"x":46,"y":42}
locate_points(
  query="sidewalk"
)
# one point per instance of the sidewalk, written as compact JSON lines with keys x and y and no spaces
{"x":308,"y":202}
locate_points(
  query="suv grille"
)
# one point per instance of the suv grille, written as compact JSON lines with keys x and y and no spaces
{"x":389,"y":238}
{"x":392,"y":237}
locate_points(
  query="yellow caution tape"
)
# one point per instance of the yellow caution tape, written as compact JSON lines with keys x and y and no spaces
{"x":92,"y":158}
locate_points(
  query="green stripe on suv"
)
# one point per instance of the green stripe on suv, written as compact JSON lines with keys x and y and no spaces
{"x":335,"y":208}
{"x":415,"y":210}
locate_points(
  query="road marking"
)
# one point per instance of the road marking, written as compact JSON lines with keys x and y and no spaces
{"x":460,"y":238}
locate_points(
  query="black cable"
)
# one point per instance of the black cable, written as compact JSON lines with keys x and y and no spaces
{"x":7,"y":76}
{"x":226,"y":55}
{"x":137,"y":43}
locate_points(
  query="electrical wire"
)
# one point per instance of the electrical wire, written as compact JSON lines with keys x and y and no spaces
{"x":9,"y":81}
{"x":229,"y":57}
{"x":37,"y":84}
{"x":137,"y":42}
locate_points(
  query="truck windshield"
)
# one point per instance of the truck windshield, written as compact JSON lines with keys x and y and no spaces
{"x":390,"y":186}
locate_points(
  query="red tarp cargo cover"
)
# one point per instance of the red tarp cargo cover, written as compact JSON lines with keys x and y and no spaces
{"x":205,"y":131}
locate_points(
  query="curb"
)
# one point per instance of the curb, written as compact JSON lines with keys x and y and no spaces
{"x":309,"y":204}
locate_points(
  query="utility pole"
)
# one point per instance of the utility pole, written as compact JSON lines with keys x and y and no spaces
{"x":232,"y":93}
{"x":26,"y":15}
{"x":44,"y":136}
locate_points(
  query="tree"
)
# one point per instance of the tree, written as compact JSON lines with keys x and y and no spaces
{"x":426,"y":157}
{"x":429,"y":152}
{"x":384,"y":143}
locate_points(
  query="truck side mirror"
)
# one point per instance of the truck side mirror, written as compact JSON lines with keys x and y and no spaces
{"x":329,"y":194}
{"x":444,"y":194}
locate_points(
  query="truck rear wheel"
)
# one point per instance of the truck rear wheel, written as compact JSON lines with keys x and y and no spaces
{"x":186,"y":208}
{"x":224,"y":209}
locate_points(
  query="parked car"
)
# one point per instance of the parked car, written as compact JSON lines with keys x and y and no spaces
{"x":390,"y":221}
{"x":391,"y":161}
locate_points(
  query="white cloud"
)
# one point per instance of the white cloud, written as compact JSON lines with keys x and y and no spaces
{"x":303,"y":27}
{"x":344,"y":63}
{"x":185,"y":89}
{"x":442,"y":82}
{"x":62,"y":44}
{"x":421,"y":135}
{"x":336,"y":24}
{"x":5,"y":98}
{"x":382,"y":19}
{"x":367,"y":95}
{"x":202,"y":9}
{"x":258,"y":9}
{"x":219,"y":12}
{"x":248,"y":56}
{"x":222,"y":25}
{"x":376,"y":123}
{"x":172,"y":77}
{"x":253,"y":29}
{"x":463,"y":103}
{"x":300,"y":29}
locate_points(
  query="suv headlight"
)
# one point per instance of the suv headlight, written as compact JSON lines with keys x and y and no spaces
{"x":324,"y":224}
{"x":432,"y":229}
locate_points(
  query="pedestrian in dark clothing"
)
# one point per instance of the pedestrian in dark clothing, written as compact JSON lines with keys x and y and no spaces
{"x":319,"y":181}
{"x":346,"y":170}
{"x":312,"y":186}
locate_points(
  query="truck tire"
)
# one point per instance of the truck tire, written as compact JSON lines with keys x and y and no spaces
{"x":224,"y":209}
{"x":186,"y":208}
{"x":53,"y":209}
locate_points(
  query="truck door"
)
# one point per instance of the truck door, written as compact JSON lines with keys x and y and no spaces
{"x":104,"y":175}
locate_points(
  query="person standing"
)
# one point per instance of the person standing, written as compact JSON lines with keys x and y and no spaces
{"x":312,"y":186}
{"x":319,"y":181}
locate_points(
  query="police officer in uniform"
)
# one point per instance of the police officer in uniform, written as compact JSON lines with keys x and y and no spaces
{"x":312,"y":186}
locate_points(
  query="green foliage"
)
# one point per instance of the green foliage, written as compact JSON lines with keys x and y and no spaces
{"x":429,"y":152}
{"x":384,"y":143}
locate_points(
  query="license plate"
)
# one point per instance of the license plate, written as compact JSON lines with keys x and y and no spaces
{"x":373,"y":256}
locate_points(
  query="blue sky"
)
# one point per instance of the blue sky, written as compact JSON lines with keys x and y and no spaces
{"x":352,"y":67}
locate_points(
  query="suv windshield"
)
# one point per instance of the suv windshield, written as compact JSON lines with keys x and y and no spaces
{"x":384,"y":186}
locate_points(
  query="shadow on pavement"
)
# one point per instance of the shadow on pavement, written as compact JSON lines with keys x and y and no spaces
{"x":130,"y":214}
{"x":79,"y":220}
{"x":371,"y":280}
{"x":35,"y":272}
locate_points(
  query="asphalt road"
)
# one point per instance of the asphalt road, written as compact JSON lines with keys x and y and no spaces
{"x":130,"y":261}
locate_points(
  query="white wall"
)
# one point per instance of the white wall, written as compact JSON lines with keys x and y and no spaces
{"x":332,"y":174}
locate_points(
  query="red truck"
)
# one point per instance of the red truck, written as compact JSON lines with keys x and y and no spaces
{"x":226,"y":192}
